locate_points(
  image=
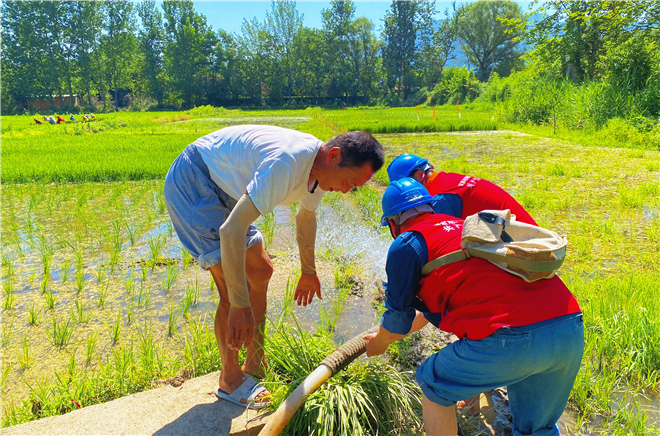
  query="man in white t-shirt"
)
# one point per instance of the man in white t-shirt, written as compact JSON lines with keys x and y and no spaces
{"x":219,"y":186}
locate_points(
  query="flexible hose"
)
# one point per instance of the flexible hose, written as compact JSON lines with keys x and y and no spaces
{"x":331,"y":365}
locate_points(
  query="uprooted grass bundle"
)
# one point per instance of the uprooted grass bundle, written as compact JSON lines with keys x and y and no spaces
{"x":368,"y":398}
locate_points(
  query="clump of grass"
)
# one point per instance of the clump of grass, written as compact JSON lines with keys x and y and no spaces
{"x":34,"y":314}
{"x":61,"y":333}
{"x":78,"y":312}
{"x":50,"y":299}
{"x":169,"y":276}
{"x":90,"y":346}
{"x":267,"y":226}
{"x":366,"y":398}
{"x":114,"y":329}
{"x":173,"y":316}
{"x":155,"y":247}
{"x":25,"y":359}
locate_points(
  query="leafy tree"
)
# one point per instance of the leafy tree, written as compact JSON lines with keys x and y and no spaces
{"x":152,"y":40}
{"x":282,"y":23}
{"x":399,"y":34}
{"x":119,"y":43}
{"x":337,"y":27}
{"x":434,"y":54}
{"x":309,"y":52}
{"x":489,"y":36}
{"x":86,"y":22}
{"x":23,"y":47}
{"x":363,"y":48}
{"x":573,"y":36}
{"x":190,"y":43}
{"x":408,"y":39}
{"x":253,"y":46}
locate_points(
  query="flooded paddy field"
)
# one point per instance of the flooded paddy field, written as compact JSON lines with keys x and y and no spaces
{"x":93,"y":273}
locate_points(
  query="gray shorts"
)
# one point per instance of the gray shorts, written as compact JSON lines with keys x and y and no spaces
{"x":198,"y":207}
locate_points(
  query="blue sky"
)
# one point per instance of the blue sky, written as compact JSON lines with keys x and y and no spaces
{"x":229,"y":15}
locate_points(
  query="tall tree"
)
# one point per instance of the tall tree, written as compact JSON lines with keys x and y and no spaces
{"x":399,"y":34}
{"x":282,"y":23}
{"x":86,"y":22}
{"x":337,"y":27}
{"x":23,"y":49}
{"x":151,"y":39}
{"x":309,"y":51}
{"x":572,"y":36}
{"x":119,"y":43}
{"x":365,"y":61}
{"x":489,"y":36}
{"x":437,"y":49}
{"x":188,"y":50}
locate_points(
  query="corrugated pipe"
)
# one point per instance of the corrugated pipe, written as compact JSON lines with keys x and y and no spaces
{"x":331,"y":365}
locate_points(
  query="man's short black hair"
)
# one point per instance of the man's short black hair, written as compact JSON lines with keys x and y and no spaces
{"x":358,"y":148}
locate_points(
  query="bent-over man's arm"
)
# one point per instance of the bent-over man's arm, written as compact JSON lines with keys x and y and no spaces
{"x":309,"y":283}
{"x":232,"y":249}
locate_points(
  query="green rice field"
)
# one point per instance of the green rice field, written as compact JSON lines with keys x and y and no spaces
{"x":99,"y":299}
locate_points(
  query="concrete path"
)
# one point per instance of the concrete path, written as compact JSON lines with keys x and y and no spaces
{"x":190,"y":409}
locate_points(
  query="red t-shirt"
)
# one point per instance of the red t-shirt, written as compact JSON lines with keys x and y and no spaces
{"x":477,"y":195}
{"x":477,"y":297}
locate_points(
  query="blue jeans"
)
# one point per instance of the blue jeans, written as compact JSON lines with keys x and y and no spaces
{"x":198,"y":207}
{"x":537,"y":363}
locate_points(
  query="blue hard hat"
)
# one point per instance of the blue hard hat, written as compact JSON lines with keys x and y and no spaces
{"x":402,"y":195}
{"x":403,"y":165}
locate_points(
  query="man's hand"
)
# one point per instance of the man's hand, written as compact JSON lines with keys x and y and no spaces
{"x":308,"y":285}
{"x":241,"y":327}
{"x":375,"y":344}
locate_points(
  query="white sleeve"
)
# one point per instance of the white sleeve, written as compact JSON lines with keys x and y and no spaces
{"x":270,"y":185}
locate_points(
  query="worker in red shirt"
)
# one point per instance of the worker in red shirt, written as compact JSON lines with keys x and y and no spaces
{"x":456,"y":194}
{"x":526,"y":336}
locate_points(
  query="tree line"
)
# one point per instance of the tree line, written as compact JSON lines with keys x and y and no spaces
{"x":117,"y":53}
{"x":116,"y":50}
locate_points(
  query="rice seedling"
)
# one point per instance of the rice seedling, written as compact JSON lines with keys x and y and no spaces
{"x":116,"y":242}
{"x":46,"y":253}
{"x":5,"y":374}
{"x":90,"y":346}
{"x":192,"y":293}
{"x":173,"y":316}
{"x":129,"y":284}
{"x":132,"y":232}
{"x":267,"y":226}
{"x":65,"y":270}
{"x":152,"y":360}
{"x":51,"y":300}
{"x":10,"y":300}
{"x":25,"y":359}
{"x":143,"y":295}
{"x":114,"y":329}
{"x":34,"y":314}
{"x":186,"y":258}
{"x":78,"y":312}
{"x":155,"y":247}
{"x":6,"y":331}
{"x":169,"y":276}
{"x":100,"y":272}
{"x":144,"y":271}
{"x":103,"y":294}
{"x":61,"y":333}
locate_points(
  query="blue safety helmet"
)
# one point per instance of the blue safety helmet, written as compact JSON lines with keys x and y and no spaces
{"x":403,"y":165}
{"x":402,"y":195}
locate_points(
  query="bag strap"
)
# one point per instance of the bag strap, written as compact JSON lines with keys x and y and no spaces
{"x":457,"y":256}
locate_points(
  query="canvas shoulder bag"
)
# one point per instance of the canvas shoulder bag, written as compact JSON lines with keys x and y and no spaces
{"x":527,"y":251}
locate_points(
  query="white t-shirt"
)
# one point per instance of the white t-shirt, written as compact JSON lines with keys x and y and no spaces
{"x":271,"y":163}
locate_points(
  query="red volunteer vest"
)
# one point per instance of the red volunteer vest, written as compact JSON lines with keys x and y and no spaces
{"x":476,"y":297}
{"x":477,"y":195}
